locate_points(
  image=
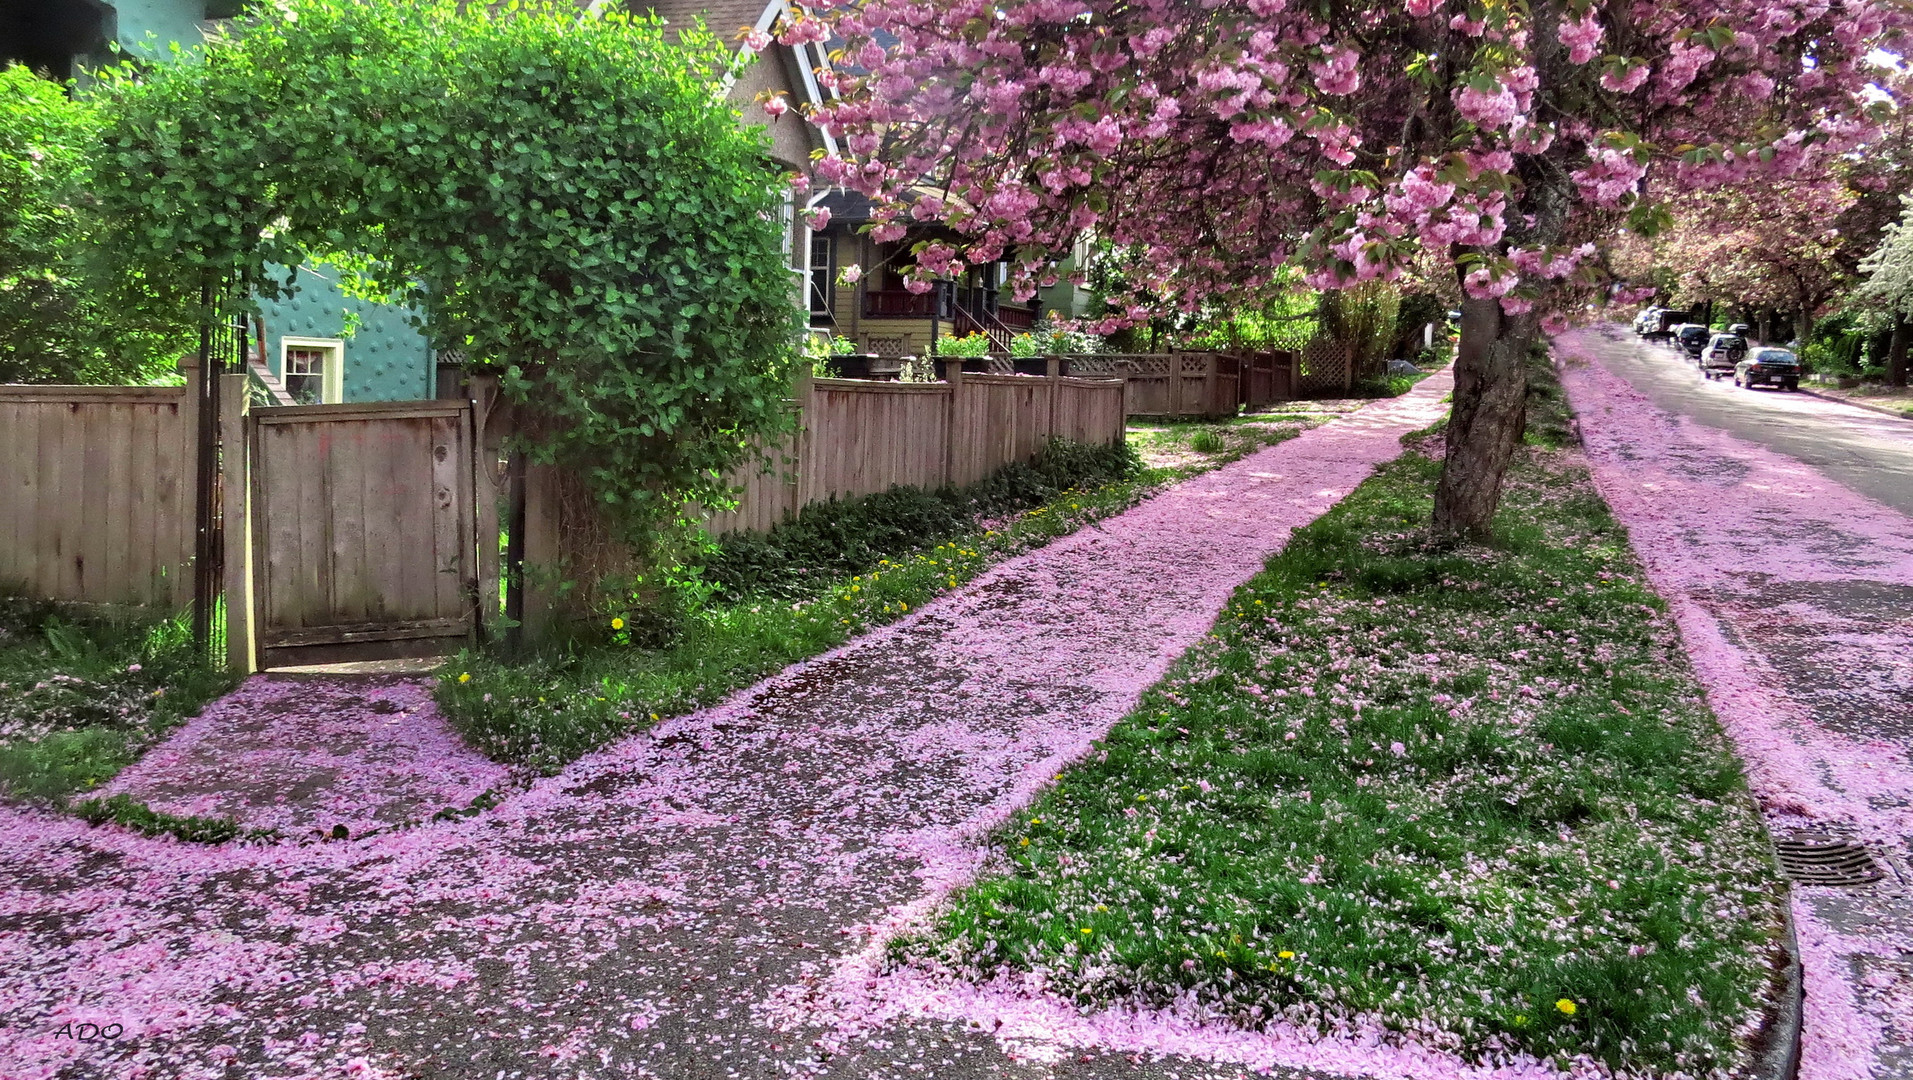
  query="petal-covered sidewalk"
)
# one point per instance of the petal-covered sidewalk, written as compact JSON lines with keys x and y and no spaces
{"x":308,"y":754}
{"x":1795,"y":597}
{"x":635,"y":915}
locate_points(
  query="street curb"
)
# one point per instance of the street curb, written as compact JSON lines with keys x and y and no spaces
{"x":1778,"y":1056}
{"x":1881,"y":409}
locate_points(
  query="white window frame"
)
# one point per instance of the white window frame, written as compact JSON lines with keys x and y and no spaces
{"x":332,"y":383}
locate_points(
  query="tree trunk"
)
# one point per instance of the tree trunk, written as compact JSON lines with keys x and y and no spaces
{"x":1766,"y":329}
{"x":1490,"y":410}
{"x":1802,"y":326}
{"x":1896,"y":351}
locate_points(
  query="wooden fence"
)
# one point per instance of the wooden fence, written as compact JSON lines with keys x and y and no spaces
{"x":362,"y":528}
{"x":1193,"y":384}
{"x":856,"y":437}
{"x":859,"y":437}
{"x":96,"y":492}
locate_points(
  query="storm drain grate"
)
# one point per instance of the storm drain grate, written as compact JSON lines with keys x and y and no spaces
{"x":1818,"y":859}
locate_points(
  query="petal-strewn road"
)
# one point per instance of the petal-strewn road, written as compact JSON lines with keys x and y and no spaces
{"x":1780,"y":528}
{"x":1870,"y":452}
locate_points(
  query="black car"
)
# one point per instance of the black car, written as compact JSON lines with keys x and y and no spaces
{"x":1693,"y":338}
{"x":1769,"y":367}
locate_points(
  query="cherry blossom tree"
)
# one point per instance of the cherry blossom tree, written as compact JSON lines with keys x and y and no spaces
{"x":1504,"y":141}
{"x":1777,"y":244}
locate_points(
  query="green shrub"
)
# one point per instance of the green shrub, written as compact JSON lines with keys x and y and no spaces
{"x":847,"y":536}
{"x":1208,"y":440}
{"x":69,"y":312}
{"x":563,"y":199}
{"x":969,"y":345}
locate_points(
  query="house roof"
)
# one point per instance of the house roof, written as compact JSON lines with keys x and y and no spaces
{"x":726,"y":19}
{"x":846,"y":207}
{"x":723,"y":18}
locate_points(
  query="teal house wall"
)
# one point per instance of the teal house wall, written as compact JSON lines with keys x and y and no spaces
{"x":386,"y":359}
{"x":148,"y":28}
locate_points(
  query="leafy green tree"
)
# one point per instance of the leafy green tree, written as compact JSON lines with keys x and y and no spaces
{"x":1889,"y":287}
{"x":69,"y":313}
{"x":565,"y":202}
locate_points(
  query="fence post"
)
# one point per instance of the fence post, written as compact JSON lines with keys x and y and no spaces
{"x":952,"y":374}
{"x":797,"y":492}
{"x":1052,"y":373}
{"x":235,"y":493}
{"x":187,"y":538}
{"x":490,"y":422}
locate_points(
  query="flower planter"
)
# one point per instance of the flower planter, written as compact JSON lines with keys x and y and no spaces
{"x":970,"y":365}
{"x":867,"y":366}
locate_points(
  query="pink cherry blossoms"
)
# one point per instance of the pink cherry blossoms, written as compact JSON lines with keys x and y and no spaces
{"x":1231,"y":137}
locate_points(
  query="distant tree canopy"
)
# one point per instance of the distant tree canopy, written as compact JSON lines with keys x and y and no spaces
{"x":68,"y":313}
{"x":565,"y":202}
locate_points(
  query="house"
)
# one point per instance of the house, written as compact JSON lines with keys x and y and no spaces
{"x":885,"y":318}
{"x":63,"y":38}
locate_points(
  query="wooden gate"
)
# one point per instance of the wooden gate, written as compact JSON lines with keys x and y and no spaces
{"x":362,"y":531}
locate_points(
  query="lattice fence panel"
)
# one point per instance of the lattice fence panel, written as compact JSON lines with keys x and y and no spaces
{"x":1323,"y":367}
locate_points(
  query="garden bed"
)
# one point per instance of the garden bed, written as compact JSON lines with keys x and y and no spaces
{"x":1894,"y":399}
{"x":807,"y":587}
{"x":1469,"y":796}
{"x":84,"y":691}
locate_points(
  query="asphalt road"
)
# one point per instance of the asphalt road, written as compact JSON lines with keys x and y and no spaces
{"x":1868,"y":452}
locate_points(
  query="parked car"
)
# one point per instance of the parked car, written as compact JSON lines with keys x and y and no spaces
{"x":1648,"y":321}
{"x":1722,"y":354}
{"x":1768,"y":367}
{"x":1693,"y":339}
{"x":1662,"y":326}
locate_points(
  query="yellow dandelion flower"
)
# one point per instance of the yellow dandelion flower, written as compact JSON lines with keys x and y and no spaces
{"x":617,"y":624}
{"x":1036,"y":821}
{"x":1102,"y":907}
{"x":1025,"y":842}
{"x":1285,"y":955}
{"x":1142,"y":798}
{"x":464,"y":676}
{"x":654,"y":716}
{"x":1088,"y":930}
{"x":1567,"y":1007}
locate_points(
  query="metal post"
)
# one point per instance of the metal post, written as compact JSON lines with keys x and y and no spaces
{"x":206,"y":470}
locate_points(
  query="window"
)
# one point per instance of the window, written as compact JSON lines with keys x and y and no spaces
{"x":313,"y":369}
{"x":823,"y":273}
